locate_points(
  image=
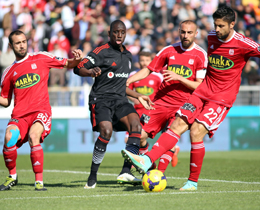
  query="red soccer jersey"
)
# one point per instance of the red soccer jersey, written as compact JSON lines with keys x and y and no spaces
{"x":226,"y":62}
{"x":28,"y":79}
{"x":190,"y":63}
{"x":147,"y":86}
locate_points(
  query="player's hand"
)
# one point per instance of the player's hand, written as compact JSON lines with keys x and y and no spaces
{"x":77,"y":54}
{"x":96,"y":71}
{"x":146,"y":102}
{"x":170,"y":75}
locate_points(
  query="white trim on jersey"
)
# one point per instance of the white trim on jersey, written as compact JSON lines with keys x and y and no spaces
{"x":20,"y":61}
{"x":212,"y":33}
{"x":5,"y":72}
{"x":164,"y":49}
{"x":189,"y":49}
{"x":246,"y":40}
{"x":234,"y":33}
{"x":44,"y":53}
{"x":200,"y":74}
{"x":204,"y":53}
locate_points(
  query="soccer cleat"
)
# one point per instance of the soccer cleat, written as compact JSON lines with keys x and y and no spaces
{"x":190,"y":185}
{"x":90,"y":184}
{"x":9,"y":182}
{"x":142,"y":163}
{"x":39,"y":187}
{"x":175,"y":157}
{"x":128,"y":178}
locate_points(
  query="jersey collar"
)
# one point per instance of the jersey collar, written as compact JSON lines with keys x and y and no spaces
{"x":20,"y":61}
{"x":234,"y":32}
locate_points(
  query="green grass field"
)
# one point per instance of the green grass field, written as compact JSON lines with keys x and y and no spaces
{"x":229,"y":180}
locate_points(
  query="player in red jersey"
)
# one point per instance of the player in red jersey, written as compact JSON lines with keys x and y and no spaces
{"x":149,"y":87}
{"x":207,"y":107}
{"x":27,"y":79}
{"x":186,"y":63}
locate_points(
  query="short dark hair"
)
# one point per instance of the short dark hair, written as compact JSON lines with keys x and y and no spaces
{"x":16,"y":32}
{"x":115,"y":22}
{"x":225,"y":13}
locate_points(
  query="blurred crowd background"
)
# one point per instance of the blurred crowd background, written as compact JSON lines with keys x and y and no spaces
{"x":59,"y":26}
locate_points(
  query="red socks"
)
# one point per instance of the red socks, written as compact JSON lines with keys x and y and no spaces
{"x":165,"y":159}
{"x":10,"y":156}
{"x":196,"y":160}
{"x":37,"y":161}
{"x":166,"y":141}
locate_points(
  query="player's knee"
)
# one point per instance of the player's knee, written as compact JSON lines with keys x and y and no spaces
{"x":34,"y":138}
{"x":136,"y":126}
{"x":197,"y":132}
{"x":12,"y":137}
{"x":106,"y":132}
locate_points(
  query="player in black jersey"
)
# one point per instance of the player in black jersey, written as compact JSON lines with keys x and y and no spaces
{"x":110,"y":64}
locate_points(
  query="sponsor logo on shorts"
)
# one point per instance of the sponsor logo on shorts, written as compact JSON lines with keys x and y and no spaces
{"x":144,"y":90}
{"x":14,"y":120}
{"x":184,"y":71}
{"x":188,"y":106}
{"x":145,"y":118}
{"x":27,"y":80}
{"x":220,"y":62}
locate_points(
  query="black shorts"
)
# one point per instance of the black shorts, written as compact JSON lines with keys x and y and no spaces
{"x":112,"y":111}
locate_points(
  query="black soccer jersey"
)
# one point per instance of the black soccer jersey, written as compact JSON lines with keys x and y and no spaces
{"x":115,"y":68}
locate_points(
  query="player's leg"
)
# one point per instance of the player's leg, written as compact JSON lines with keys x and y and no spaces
{"x":197,"y":133}
{"x":207,"y":122}
{"x":12,"y":135}
{"x":37,"y":156}
{"x":105,"y":129}
{"x":132,"y":123}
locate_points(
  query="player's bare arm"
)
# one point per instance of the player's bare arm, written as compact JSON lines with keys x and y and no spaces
{"x":5,"y":102}
{"x":143,"y":73}
{"x":71,"y":63}
{"x":172,"y":76}
{"x":94,"y":72}
{"x":144,"y":100}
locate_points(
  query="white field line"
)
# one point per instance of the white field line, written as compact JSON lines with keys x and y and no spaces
{"x":130,"y":194}
{"x":115,"y":175}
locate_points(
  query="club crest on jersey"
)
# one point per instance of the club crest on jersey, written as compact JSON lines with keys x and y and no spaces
{"x":231,"y":52}
{"x":181,"y":70}
{"x":27,"y":80}
{"x":33,"y":66}
{"x":220,"y":62}
{"x":144,"y":90}
{"x":191,"y":61}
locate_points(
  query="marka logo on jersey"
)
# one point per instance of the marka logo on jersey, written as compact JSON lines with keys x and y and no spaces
{"x":220,"y":62}
{"x":144,"y":90}
{"x":181,"y":70}
{"x":27,"y":80}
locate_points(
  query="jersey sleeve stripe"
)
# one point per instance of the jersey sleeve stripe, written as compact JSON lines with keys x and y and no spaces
{"x":98,"y":49}
{"x":45,"y":53}
{"x":246,"y":40}
{"x":5,"y":73}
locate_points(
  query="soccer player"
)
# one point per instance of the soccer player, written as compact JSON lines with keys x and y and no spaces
{"x":27,"y":79}
{"x":148,"y":86}
{"x":207,"y":107}
{"x":110,"y":64}
{"x":186,"y":63}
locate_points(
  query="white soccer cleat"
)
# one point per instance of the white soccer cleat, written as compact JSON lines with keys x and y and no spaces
{"x":127,"y":178}
{"x":90,"y":187}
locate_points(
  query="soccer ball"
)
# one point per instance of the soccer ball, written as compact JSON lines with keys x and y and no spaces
{"x":154,"y":181}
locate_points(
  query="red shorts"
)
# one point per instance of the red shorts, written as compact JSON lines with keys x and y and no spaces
{"x":24,"y":124}
{"x":207,"y":113}
{"x":153,"y":121}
